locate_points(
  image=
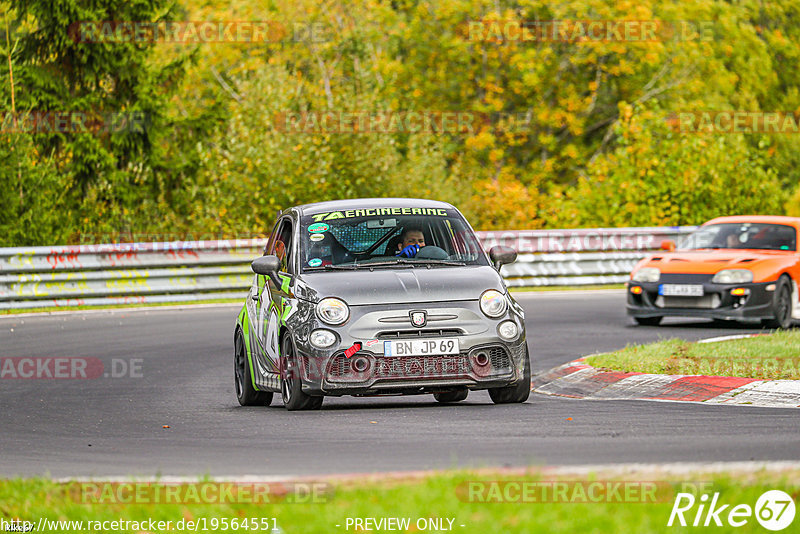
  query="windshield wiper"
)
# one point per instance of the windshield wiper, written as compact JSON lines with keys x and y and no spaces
{"x":387,"y":263}
{"x":412,"y":263}
{"x":454,"y":263}
{"x":342,"y":267}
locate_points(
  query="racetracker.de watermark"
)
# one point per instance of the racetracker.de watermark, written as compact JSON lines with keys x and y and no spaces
{"x":176,"y":239}
{"x":574,"y":491}
{"x":588,"y":31}
{"x":133,"y":492}
{"x":409,"y":122}
{"x":735,"y":121}
{"x":54,"y":122}
{"x":739,"y":366}
{"x":195,"y":32}
{"x":68,"y":368}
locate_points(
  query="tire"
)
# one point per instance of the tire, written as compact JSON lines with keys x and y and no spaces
{"x":515,"y":393}
{"x":782,"y":305}
{"x":294,"y":399}
{"x":243,"y":382}
{"x":648,"y":321}
{"x":446,"y":397}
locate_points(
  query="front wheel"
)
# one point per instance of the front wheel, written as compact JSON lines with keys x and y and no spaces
{"x":782,"y":305}
{"x":245,"y":392}
{"x":515,"y":393}
{"x":291,"y":386}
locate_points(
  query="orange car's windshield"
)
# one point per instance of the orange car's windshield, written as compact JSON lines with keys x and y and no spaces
{"x":752,"y":236}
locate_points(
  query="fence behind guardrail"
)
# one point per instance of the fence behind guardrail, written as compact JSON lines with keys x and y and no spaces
{"x":128,"y":273}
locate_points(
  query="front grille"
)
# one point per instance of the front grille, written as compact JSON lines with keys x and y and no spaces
{"x":339,"y":366}
{"x":707,"y":302}
{"x":423,"y":366}
{"x":499,"y":358}
{"x":421,"y":333}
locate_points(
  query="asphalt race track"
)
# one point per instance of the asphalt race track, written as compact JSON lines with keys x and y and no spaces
{"x":114,"y":426}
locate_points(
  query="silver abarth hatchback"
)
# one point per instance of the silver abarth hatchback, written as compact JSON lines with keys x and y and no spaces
{"x":378,"y":296}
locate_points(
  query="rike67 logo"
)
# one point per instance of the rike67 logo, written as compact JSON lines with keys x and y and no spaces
{"x":774,"y":510}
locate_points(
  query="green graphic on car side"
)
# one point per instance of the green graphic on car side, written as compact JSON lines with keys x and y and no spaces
{"x":244,"y":319}
{"x":287,"y":311}
{"x":285,"y":283}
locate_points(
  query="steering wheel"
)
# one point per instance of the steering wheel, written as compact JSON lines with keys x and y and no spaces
{"x":431,"y":253}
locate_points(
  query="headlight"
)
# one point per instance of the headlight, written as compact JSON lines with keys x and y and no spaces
{"x":493,"y":303}
{"x":733,"y":276}
{"x":322,"y":339}
{"x":646,"y":274}
{"x":332,"y":311}
{"x":508,"y":330}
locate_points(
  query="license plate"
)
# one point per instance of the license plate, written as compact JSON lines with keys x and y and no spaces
{"x":680,"y":290}
{"x":421,"y":347}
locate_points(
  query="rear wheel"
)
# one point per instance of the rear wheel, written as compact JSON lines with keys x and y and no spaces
{"x":291,"y":386}
{"x":245,"y":392}
{"x":648,"y":321}
{"x":515,"y":393}
{"x":782,"y":305}
{"x":446,"y":397}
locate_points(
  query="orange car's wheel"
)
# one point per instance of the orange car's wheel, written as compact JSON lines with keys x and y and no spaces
{"x":782,"y":305}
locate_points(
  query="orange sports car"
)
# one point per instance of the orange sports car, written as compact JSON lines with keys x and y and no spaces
{"x":743,"y":268}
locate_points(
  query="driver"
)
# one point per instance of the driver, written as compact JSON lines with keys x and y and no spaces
{"x":411,"y":240}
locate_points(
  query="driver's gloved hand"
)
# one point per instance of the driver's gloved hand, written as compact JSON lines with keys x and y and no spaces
{"x":409,"y":252}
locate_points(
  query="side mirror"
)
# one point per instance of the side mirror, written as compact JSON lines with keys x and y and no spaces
{"x":268,"y":266}
{"x":668,"y":245}
{"x":501,"y":255}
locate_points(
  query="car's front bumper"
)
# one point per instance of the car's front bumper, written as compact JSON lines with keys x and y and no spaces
{"x":484,"y":360}
{"x":717,"y":301}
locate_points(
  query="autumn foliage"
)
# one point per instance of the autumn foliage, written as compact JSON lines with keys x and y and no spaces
{"x":575,"y":131}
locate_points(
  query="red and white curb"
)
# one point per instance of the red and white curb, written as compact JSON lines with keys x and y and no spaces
{"x":578,"y":380}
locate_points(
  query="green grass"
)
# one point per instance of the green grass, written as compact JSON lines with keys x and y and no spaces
{"x":568,"y":288}
{"x":775,"y":356}
{"x":51,"y":309}
{"x":437,"y":496}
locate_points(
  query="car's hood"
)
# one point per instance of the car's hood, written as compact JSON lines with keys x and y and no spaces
{"x":409,"y":285}
{"x":713,"y":261}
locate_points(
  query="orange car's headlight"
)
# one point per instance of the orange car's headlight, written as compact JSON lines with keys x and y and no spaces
{"x":733,"y":276}
{"x":646,"y":274}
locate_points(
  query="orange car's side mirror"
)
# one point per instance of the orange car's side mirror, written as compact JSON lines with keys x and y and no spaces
{"x":668,"y":244}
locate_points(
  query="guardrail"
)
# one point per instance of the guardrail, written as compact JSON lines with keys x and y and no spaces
{"x":577,"y":257}
{"x":184,"y":271}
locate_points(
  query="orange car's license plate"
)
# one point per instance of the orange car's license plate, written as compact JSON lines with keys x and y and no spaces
{"x":681,"y":290}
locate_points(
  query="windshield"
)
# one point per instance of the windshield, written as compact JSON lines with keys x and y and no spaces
{"x":381,"y":237}
{"x":757,"y":236}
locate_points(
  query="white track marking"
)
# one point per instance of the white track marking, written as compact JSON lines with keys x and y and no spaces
{"x":614,"y":469}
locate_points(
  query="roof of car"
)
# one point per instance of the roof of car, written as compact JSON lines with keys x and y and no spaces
{"x":769,"y":219}
{"x":365,"y":203}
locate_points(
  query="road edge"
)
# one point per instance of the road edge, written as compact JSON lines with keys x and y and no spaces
{"x":578,"y":380}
